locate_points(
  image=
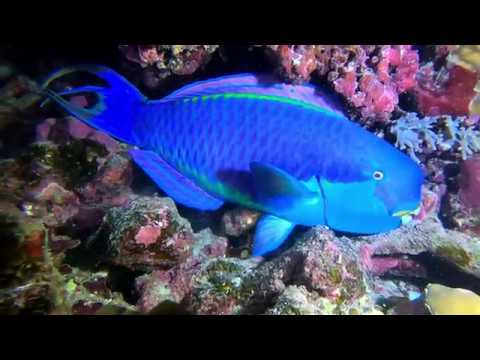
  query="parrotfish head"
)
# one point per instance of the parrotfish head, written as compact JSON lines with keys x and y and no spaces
{"x":385,"y":194}
{"x":399,"y":181}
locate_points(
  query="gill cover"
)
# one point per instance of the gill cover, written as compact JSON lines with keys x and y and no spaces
{"x":353,"y":207}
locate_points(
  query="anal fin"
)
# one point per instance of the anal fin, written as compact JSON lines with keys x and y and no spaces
{"x":177,"y":186}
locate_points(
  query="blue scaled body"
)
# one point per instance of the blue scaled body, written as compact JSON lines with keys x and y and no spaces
{"x":280,"y":149}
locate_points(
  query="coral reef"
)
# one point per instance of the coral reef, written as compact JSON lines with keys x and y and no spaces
{"x":158,"y":62}
{"x":324,"y":264}
{"x":369,"y":77}
{"x":79,"y":236}
{"x":325,"y":271}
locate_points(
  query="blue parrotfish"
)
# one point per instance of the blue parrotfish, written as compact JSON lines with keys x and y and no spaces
{"x":281,"y":149}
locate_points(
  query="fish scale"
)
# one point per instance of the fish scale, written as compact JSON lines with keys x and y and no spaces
{"x":210,"y":129}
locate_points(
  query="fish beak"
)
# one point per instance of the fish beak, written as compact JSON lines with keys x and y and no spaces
{"x":407,"y":215}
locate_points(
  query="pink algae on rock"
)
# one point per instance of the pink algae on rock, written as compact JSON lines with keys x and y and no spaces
{"x":148,"y":235}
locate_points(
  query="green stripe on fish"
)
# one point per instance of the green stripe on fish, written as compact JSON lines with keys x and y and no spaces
{"x":251,"y":96}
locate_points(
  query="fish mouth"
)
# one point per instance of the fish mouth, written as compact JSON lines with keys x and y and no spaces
{"x":407,"y":215}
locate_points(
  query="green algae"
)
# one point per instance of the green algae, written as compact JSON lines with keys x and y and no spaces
{"x":455,"y":254}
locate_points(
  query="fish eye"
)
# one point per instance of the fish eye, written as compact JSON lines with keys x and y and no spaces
{"x":378,"y":175}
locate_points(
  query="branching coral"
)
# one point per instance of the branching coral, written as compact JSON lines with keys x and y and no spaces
{"x":435,"y":133}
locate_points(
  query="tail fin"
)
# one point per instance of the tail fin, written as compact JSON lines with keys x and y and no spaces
{"x":116,"y":107}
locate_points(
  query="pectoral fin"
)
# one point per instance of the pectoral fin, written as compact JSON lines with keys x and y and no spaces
{"x":282,"y":194}
{"x":270,"y":233}
{"x":276,"y":188}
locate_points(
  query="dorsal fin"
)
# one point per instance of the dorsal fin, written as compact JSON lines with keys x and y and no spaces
{"x":261,"y":84}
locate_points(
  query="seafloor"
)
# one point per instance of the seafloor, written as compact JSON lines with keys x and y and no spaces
{"x":84,"y":231}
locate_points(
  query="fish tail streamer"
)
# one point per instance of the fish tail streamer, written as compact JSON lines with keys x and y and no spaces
{"x":116,"y":105}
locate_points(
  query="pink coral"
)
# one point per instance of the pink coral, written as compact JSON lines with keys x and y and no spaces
{"x":375,"y":93}
{"x":369,"y":77}
{"x":299,"y":60}
{"x":375,"y":98}
{"x":378,"y":265}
